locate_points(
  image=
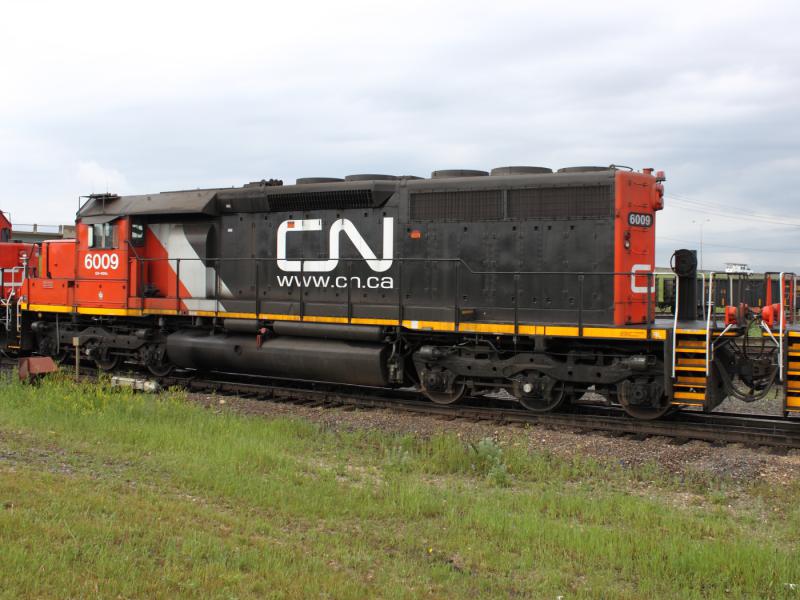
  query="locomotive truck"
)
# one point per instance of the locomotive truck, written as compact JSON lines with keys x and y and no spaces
{"x":523,"y":280}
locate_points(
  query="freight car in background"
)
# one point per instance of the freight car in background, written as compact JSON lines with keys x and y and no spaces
{"x":535,"y":282}
{"x":753,"y":289}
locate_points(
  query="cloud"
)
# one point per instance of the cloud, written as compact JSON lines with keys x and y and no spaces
{"x":181,"y":95}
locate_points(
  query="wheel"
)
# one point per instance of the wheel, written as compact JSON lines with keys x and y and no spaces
{"x":648,"y":413}
{"x":154,"y":357}
{"x":539,"y":392}
{"x":160,"y":369}
{"x":48,"y":346}
{"x":451,"y":397}
{"x":549,"y":400}
{"x":643,"y":400}
{"x":62,"y":356}
{"x":108,"y":362}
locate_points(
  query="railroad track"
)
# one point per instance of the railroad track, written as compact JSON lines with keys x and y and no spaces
{"x":723,"y":428}
{"x":753,"y":430}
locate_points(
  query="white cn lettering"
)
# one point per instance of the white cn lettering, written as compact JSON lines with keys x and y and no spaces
{"x":339,"y":226}
{"x":642,"y":270}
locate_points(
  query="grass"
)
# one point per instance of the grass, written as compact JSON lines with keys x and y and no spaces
{"x":107,"y":493}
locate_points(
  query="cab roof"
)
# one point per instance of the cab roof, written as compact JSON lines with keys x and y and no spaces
{"x":106,"y":207}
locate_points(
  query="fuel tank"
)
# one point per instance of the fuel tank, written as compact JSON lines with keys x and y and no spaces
{"x":335,"y":361}
{"x":353,"y":333}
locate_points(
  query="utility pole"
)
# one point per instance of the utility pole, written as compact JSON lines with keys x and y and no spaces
{"x":701,"y":222}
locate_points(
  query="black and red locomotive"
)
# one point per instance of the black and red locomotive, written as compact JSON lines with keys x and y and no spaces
{"x":524,"y":280}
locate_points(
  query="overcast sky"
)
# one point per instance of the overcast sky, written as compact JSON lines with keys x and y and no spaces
{"x":143,"y":97}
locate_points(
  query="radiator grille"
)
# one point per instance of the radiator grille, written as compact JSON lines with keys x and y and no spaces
{"x":588,"y":202}
{"x":321,"y":200}
{"x":475,"y":205}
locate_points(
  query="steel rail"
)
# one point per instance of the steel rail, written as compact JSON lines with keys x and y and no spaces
{"x":755,"y":430}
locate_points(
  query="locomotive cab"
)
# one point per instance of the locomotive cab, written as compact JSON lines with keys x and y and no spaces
{"x":90,"y":271}
{"x":102,"y":262}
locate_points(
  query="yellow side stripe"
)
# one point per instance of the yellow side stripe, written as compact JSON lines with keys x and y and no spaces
{"x":633,"y":334}
{"x":417,"y":325}
{"x":361,"y":321}
{"x":486,"y":328}
{"x":531,"y":329}
{"x":429,"y":325}
{"x":46,"y":308}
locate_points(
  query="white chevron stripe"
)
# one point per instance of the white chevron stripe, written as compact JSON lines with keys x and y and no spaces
{"x":194,"y":275}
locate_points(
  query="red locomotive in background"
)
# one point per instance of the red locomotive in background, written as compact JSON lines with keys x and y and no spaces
{"x":524,"y":280}
{"x":16,"y":258}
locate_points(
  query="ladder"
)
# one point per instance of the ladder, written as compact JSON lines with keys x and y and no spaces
{"x":789,"y":346}
{"x":788,"y":339}
{"x":792,"y":380}
{"x":9,"y":301}
{"x":691,"y":377}
{"x":693,"y":354}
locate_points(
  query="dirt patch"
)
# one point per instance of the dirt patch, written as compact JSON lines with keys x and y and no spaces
{"x":21,"y":450}
{"x":18,"y":449}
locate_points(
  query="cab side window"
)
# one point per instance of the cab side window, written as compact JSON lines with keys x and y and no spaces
{"x":102,"y":236}
{"x":137,"y":234}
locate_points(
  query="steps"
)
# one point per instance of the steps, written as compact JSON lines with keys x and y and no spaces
{"x":689,"y":388}
{"x":792,"y":391}
{"x":791,"y":339}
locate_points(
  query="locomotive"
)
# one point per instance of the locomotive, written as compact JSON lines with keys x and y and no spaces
{"x":15,"y":256}
{"x":526,"y":281}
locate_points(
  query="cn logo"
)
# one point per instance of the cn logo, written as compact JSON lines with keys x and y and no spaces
{"x":641,"y":271}
{"x":339,"y":226}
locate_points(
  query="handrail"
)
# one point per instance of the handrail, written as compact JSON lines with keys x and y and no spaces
{"x":708,"y":322}
{"x":20,"y":299}
{"x":730,"y":291}
{"x":398,"y":259}
{"x":702,"y":292}
{"x":781,"y":332}
{"x":181,"y":264}
{"x":8,"y":290}
{"x":675,"y":325}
